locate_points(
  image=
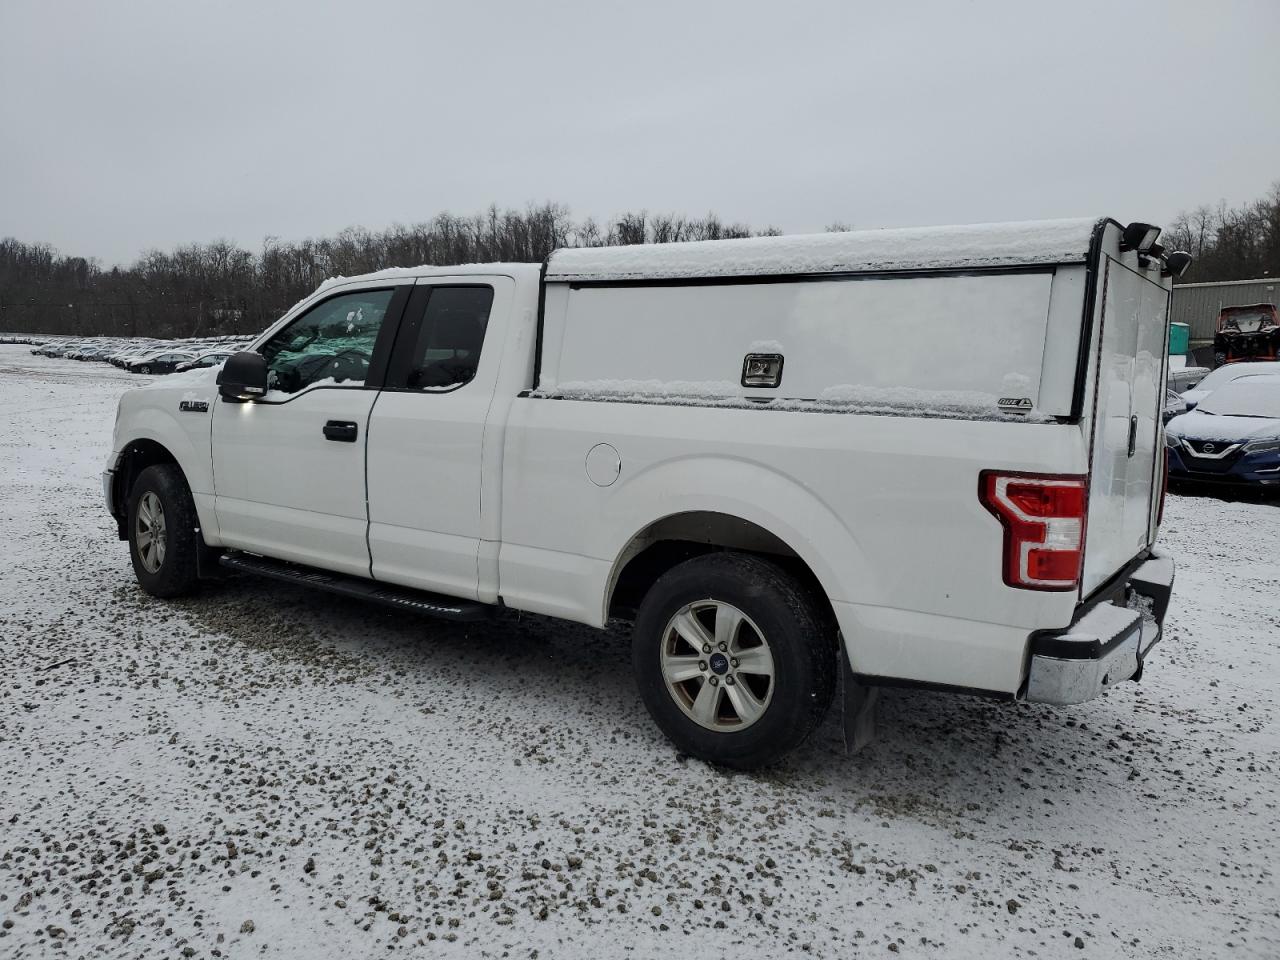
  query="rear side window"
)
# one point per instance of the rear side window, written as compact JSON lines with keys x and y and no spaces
{"x":446,"y":350}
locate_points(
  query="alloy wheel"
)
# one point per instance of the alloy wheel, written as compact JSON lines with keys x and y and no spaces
{"x":717,"y":666}
{"x":149,"y":532}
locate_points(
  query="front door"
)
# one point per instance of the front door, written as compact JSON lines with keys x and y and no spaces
{"x":289,"y":468}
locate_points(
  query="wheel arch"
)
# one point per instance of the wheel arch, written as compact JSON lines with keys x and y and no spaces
{"x":132,"y":458}
{"x":702,"y":502}
{"x":674,"y":538}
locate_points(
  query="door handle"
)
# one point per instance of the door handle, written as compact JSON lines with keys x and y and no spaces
{"x":1133,"y":434}
{"x":344,"y":431}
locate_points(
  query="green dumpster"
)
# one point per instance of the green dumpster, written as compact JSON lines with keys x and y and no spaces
{"x":1179,"y":339}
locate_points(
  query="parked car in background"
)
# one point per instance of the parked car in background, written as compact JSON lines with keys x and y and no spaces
{"x":1182,"y":379}
{"x":1247,"y":333}
{"x":88,"y":351}
{"x":161,"y":362}
{"x":66,"y":348}
{"x":138,"y":351}
{"x":1233,"y":435}
{"x":1224,"y":375}
{"x":203,"y":360}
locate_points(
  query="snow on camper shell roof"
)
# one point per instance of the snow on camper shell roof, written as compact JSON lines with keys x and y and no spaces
{"x":910,"y":248}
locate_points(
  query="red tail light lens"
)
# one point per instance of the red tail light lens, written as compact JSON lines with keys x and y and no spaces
{"x":1044,"y":518}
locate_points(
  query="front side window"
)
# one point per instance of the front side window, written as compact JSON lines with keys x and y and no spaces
{"x":330,"y":343}
{"x":447,"y":350}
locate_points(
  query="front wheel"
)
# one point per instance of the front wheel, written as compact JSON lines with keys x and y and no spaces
{"x":144,"y":369}
{"x":162,"y":531}
{"x":735,"y":659}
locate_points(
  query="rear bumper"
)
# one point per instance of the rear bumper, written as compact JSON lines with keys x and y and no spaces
{"x":1106,"y":643}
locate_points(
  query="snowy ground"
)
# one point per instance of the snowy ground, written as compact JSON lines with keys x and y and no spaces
{"x":263,"y":771}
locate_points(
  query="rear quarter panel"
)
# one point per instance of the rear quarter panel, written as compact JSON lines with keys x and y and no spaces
{"x":883,"y":509}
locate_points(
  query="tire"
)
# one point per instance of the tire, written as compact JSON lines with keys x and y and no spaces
{"x":144,"y":369}
{"x":800,"y":649}
{"x":165,"y":565}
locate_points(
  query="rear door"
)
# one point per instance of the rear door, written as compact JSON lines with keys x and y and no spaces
{"x":426,"y":435}
{"x":1125,"y":449}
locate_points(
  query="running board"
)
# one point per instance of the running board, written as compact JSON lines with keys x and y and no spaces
{"x":402,"y":598}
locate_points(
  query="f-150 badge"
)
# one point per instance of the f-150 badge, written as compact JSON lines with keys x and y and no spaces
{"x":194,"y":406}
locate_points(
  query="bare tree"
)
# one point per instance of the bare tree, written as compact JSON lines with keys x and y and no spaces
{"x":220,"y":288}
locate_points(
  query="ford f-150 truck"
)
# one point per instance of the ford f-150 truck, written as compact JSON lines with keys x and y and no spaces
{"x":801,"y":466}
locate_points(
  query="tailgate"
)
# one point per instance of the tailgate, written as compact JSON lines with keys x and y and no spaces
{"x":1125,"y":448}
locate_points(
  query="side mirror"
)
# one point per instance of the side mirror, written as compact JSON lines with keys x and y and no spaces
{"x":243,"y":377}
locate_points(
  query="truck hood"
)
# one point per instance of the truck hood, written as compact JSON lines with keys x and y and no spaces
{"x":1206,"y":426}
{"x":205,"y":378}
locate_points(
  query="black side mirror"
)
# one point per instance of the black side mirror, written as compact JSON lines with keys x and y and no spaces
{"x":243,"y":377}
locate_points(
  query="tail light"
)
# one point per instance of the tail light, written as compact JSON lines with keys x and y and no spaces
{"x":1044,"y":519}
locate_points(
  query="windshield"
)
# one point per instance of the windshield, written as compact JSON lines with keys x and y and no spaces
{"x":1252,"y":397}
{"x":1250,"y":320}
{"x":1234,"y":371}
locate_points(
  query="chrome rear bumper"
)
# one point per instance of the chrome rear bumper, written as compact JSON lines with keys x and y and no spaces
{"x":1106,"y":643}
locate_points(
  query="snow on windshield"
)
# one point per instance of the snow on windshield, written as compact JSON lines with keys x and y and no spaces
{"x":1248,"y":397}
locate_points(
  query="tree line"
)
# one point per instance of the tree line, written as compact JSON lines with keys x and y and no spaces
{"x":1229,"y":243}
{"x":208,"y":289}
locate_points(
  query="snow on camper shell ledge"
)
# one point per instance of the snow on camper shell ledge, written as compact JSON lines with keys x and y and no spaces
{"x":908,"y":248}
{"x":842,"y":398}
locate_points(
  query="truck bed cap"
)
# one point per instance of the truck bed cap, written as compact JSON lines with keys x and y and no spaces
{"x":862,"y":251}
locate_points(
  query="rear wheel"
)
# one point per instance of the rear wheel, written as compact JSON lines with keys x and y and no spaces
{"x":162,"y":531}
{"x":145,"y":368}
{"x":735,"y":659}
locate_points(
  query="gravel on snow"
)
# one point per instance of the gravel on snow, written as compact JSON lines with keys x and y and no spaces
{"x":265,"y":771}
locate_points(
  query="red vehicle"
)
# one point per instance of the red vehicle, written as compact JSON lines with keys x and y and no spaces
{"x":1247,"y":333}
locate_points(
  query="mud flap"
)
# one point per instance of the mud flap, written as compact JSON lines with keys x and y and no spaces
{"x":207,"y":565}
{"x":858,"y":703}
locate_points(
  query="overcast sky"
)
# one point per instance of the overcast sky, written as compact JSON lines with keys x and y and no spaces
{"x":128,"y":125}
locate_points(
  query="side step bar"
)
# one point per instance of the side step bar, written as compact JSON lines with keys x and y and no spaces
{"x":402,"y":598}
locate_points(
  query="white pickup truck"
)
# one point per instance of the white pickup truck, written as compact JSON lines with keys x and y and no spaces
{"x":801,"y":465}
